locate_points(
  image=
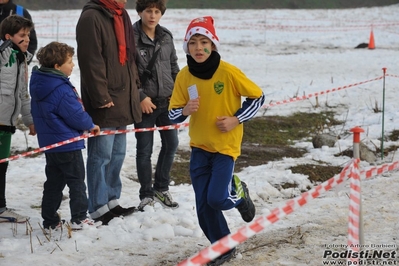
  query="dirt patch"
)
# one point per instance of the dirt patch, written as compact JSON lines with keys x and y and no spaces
{"x":255,"y":154}
{"x":317,"y":173}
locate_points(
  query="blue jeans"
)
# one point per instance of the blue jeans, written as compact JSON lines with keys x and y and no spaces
{"x":105,"y":156}
{"x":144,"y":146}
{"x":64,"y":168}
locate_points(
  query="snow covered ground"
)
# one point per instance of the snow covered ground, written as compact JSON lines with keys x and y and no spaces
{"x":289,"y":53}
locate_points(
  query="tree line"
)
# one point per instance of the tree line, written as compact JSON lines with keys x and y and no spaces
{"x":218,"y":4}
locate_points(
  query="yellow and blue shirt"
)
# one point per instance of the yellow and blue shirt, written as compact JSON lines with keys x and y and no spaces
{"x":219,"y":96}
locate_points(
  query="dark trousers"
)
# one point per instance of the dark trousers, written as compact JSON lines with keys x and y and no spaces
{"x":145,"y":142}
{"x":64,"y":168}
{"x":211,"y":176}
{"x":5,"y":146}
{"x":3,"y":171}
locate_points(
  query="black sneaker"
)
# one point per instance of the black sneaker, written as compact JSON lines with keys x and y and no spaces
{"x":106,"y":217}
{"x":165,"y":199}
{"x":223,"y":258}
{"x":246,"y":207}
{"x":118,"y":210}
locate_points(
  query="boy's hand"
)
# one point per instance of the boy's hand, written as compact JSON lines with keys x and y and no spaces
{"x":32,"y":130}
{"x":191,"y":107}
{"x":147,"y":106}
{"x":5,"y":56}
{"x":95,"y":130}
{"x":227,"y":123}
{"x":108,"y":105}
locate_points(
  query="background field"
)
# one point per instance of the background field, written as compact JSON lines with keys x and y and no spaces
{"x":288,"y":53}
{"x":222,"y":4}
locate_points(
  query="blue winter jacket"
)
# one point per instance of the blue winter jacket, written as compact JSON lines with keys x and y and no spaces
{"x":57,"y":111}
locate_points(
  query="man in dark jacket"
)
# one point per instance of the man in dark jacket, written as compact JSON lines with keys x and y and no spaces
{"x":109,"y":87}
{"x":7,"y":7}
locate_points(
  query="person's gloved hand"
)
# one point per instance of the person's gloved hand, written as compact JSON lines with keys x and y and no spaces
{"x":5,"y":56}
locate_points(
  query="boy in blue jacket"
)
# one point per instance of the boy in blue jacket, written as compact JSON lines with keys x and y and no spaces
{"x":58,"y":111}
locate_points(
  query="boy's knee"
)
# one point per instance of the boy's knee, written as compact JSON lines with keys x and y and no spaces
{"x":216,"y":203}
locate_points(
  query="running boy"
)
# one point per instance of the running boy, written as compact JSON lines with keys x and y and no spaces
{"x":210,"y":90}
{"x":59,"y":115}
{"x":14,"y":97}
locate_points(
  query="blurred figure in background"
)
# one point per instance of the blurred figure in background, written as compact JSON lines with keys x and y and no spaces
{"x":7,"y":8}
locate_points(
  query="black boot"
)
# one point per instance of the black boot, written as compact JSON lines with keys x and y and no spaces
{"x":106,"y":217}
{"x":120,"y":211}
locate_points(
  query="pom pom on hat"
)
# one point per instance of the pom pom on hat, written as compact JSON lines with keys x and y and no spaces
{"x":203,"y":26}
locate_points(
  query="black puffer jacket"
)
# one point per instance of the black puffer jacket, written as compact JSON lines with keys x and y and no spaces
{"x":165,"y":69}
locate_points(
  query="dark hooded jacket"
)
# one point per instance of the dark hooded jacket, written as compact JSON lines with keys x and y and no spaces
{"x":163,"y":74}
{"x":57,"y":112}
{"x":103,"y":78}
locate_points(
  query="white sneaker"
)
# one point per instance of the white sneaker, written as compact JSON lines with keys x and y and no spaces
{"x":165,"y":198}
{"x":9,"y":216}
{"x":53,"y":228}
{"x":85,"y":223}
{"x":144,"y":202}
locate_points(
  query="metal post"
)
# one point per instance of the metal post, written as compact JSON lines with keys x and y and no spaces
{"x":356,"y":154}
{"x":383,"y":114}
{"x":58,"y":29}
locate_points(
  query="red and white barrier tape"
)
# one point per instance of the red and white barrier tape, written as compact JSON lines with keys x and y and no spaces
{"x":354,"y":209}
{"x":354,"y":202}
{"x":390,"y":75}
{"x":351,"y":170}
{"x":291,"y":100}
{"x":379,"y":170}
{"x":89,"y":135}
{"x":230,"y":241}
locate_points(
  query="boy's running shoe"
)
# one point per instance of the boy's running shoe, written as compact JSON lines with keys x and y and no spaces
{"x":223,"y":258}
{"x":246,"y":207}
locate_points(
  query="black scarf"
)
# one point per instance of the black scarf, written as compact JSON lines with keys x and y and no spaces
{"x":20,"y":55}
{"x":206,"y":69}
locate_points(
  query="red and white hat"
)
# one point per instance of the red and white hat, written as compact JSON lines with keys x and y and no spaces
{"x":203,"y":26}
